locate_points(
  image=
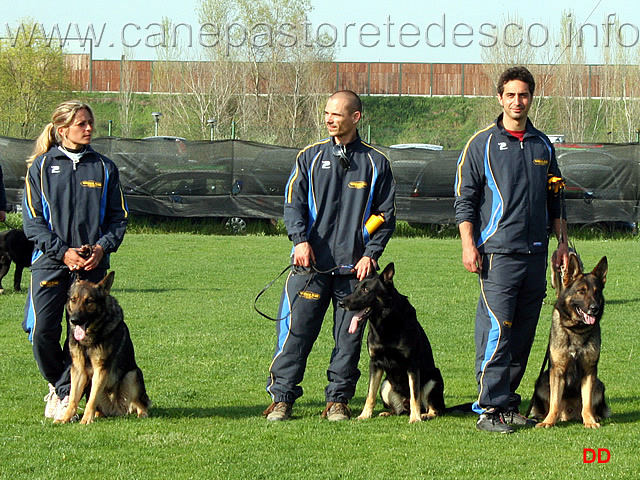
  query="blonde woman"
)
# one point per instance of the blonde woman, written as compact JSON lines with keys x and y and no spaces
{"x":72,"y":198}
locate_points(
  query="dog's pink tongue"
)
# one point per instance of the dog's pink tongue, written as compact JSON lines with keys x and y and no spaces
{"x":79,"y":333}
{"x":588,"y":319}
{"x":353,"y":326}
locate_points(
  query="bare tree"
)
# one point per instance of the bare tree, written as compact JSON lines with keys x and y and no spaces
{"x":192,"y":87}
{"x":127,"y":105}
{"x":619,"y":111}
{"x":585,"y":100}
{"x":571,"y":90}
{"x":281,"y":75}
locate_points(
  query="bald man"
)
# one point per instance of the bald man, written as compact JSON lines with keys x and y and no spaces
{"x":336,"y":185}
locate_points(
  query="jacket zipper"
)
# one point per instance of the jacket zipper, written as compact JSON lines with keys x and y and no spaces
{"x":75,"y":202}
{"x":341,"y":186}
{"x":528,"y":180}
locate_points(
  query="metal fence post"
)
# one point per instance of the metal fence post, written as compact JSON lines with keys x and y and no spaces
{"x":91,"y":65}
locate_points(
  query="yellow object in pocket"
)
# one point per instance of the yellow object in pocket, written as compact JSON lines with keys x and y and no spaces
{"x":374,"y":223}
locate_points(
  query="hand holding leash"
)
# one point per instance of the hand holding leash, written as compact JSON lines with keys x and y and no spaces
{"x":86,"y":257}
{"x":364,"y":267}
{"x":560,"y":257}
{"x":73,"y":259}
{"x":95,"y":256}
{"x":303,"y":255}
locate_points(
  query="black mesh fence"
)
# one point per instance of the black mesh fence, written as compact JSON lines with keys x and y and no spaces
{"x":173,"y":177}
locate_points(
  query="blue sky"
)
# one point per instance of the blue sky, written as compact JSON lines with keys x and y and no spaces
{"x":367,"y":31}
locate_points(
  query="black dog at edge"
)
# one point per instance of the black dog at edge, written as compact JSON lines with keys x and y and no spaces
{"x":14,"y":247}
{"x":399,"y":347}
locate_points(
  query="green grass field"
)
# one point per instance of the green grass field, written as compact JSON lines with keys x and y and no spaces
{"x":205,"y":354}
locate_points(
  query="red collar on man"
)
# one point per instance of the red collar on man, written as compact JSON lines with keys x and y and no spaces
{"x":519,"y":134}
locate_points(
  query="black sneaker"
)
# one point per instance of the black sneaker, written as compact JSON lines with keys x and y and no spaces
{"x":513,"y":417}
{"x":493,"y":422}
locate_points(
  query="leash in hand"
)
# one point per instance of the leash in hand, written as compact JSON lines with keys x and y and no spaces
{"x":297,"y":270}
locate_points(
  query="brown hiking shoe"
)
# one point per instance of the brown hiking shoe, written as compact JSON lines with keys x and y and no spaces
{"x":278,"y":411}
{"x":336,"y":411}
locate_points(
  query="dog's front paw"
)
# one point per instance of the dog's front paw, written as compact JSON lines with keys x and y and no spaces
{"x":545,"y":425}
{"x":68,"y":417}
{"x":87,"y":418}
{"x":591,"y":424}
{"x":590,"y":420}
{"x":365,"y":415}
{"x":60,"y":421}
{"x":415,"y":419}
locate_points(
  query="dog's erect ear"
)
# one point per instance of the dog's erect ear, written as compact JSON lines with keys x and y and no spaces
{"x":387,"y":274}
{"x":601,"y":270}
{"x":106,"y":283}
{"x":572,"y":272}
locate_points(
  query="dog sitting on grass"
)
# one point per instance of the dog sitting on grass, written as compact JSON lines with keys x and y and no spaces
{"x":399,"y":347}
{"x":102,"y":353}
{"x":571,"y":389}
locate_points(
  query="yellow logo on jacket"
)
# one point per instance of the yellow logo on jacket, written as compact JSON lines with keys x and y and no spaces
{"x":49,"y":284}
{"x":91,"y":184}
{"x":541,"y":161}
{"x":309,"y":295}
{"x":358,"y":185}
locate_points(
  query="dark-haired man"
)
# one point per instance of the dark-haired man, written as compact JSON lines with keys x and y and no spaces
{"x":504,"y":209}
{"x":336,"y":185}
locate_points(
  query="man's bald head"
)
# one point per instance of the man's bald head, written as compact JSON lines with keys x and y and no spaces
{"x":353,"y":102}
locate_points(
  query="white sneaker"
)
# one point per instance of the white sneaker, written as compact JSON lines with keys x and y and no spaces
{"x":52,"y":400}
{"x":61,"y":409}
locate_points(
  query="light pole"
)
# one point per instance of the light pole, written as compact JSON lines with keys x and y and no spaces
{"x":212,"y":125}
{"x":156,"y":117}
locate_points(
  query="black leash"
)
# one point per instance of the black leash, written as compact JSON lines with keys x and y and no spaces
{"x":255,"y":302}
{"x":542,"y":369}
{"x":556,"y":186}
{"x":297,"y":270}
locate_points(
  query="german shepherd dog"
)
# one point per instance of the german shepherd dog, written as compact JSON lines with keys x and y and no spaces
{"x":14,"y":247}
{"x":102,"y":353}
{"x":570,"y":389}
{"x":399,"y":347}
